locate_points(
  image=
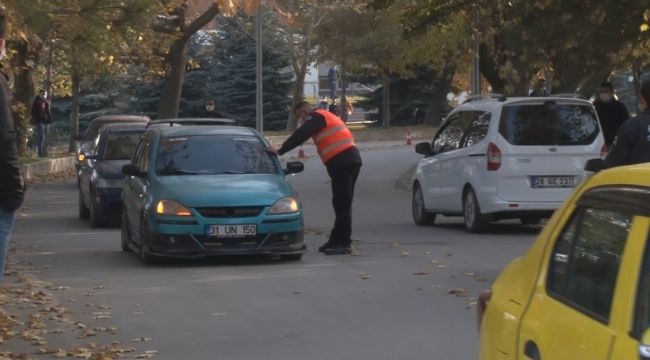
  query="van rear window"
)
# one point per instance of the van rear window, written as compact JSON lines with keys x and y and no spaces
{"x":549,"y":124}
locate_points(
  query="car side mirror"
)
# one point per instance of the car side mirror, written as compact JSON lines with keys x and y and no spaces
{"x":78,"y":137}
{"x":424,"y":148}
{"x":595,"y":165}
{"x":294,"y":167}
{"x":89,"y":156}
{"x":644,"y":346}
{"x":132,"y":170}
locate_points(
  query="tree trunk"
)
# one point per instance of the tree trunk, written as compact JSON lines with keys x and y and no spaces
{"x":344,"y":91}
{"x":385,"y":115}
{"x":23,"y":90}
{"x":173,"y":85}
{"x":74,"y":114}
{"x":298,"y":93}
{"x":636,"y":74}
{"x":490,"y":70}
{"x":438,"y":104}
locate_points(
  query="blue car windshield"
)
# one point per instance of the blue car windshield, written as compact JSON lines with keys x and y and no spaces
{"x":120,"y":145}
{"x":213,"y":154}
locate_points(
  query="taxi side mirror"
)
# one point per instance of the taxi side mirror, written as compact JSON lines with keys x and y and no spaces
{"x":644,"y":346}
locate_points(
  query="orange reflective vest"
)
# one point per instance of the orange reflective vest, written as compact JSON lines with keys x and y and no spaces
{"x":334,"y":138}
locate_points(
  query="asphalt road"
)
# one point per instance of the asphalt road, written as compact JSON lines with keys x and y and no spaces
{"x":391,"y":301}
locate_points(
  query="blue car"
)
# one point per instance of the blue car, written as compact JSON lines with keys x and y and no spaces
{"x":198,"y":190}
{"x":100,"y":179}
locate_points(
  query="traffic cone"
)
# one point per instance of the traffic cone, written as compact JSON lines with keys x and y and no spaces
{"x":409,"y":138}
{"x":301,"y":152}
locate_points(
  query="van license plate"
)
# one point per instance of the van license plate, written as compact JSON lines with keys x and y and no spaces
{"x":231,"y":230}
{"x":552,"y":182}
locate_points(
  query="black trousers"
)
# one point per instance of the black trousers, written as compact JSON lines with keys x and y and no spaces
{"x":344,"y":179}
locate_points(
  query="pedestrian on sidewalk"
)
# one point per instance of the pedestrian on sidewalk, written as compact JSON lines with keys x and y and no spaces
{"x":42,"y":118}
{"x":332,"y":76}
{"x":342,"y":159}
{"x":211,"y":110}
{"x":11,"y":182}
{"x":632,"y":143}
{"x":611,"y":112}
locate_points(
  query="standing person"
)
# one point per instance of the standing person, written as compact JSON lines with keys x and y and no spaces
{"x":11,"y":182}
{"x":632,"y":143}
{"x":342,"y":159}
{"x":211,"y":110}
{"x":331,"y":78}
{"x":42,"y":118}
{"x":611,"y":112}
{"x":334,"y":108}
{"x":540,"y":88}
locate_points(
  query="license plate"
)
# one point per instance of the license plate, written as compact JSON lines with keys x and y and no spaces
{"x":231,"y":230}
{"x":552,"y":181}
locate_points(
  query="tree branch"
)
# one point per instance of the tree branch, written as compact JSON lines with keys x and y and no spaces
{"x":201,"y":21}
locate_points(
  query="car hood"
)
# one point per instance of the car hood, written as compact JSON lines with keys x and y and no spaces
{"x":110,"y":169}
{"x":224,"y":190}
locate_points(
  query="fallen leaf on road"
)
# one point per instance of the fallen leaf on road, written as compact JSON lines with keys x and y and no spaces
{"x":99,"y":287}
{"x":458,"y":292}
{"x":364,"y":276}
{"x":406,"y":253}
{"x":56,"y":331}
{"x":104,"y":307}
{"x":142,"y":339}
{"x":470,"y":274}
{"x":448,"y":254}
{"x":218,"y":314}
{"x":60,"y":353}
{"x":427,"y":253}
{"x":90,"y":333}
{"x":393,"y":244}
{"x":422,"y":273}
{"x":138,"y":313}
{"x":440,"y":266}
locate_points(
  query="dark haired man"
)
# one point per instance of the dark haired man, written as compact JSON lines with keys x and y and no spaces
{"x":611,"y":112}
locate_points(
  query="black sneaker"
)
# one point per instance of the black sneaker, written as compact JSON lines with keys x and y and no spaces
{"x":325,"y":246}
{"x":338,"y":250}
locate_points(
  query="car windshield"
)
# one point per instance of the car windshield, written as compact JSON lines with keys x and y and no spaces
{"x":549,"y":124}
{"x":213,"y":154}
{"x":120,"y":145}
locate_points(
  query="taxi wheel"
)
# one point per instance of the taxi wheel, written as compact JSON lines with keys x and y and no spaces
{"x":420,"y":216}
{"x":96,"y":219}
{"x":125,"y":235}
{"x":474,"y":221}
{"x":145,"y":256}
{"x":84,"y":213}
{"x":292,"y":257}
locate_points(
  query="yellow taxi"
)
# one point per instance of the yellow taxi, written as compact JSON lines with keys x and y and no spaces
{"x":582,"y":292}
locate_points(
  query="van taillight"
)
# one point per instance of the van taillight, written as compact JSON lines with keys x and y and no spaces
{"x":603,"y":151}
{"x":493,"y":157}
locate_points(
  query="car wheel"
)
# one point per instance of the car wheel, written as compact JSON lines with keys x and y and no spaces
{"x":84,"y":213}
{"x":125,"y":233}
{"x":145,"y":256}
{"x":531,"y":220}
{"x":420,"y":216}
{"x":292,"y":257}
{"x":96,"y":218}
{"x":474,"y":222}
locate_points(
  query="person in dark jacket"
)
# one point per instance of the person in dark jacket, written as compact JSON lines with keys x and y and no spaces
{"x":334,"y":107}
{"x":42,"y":118}
{"x":632,"y":143}
{"x":611,"y":112}
{"x":342,"y":159}
{"x":11,"y":182}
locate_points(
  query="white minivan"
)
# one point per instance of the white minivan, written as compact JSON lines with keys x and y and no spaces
{"x":505,"y":158}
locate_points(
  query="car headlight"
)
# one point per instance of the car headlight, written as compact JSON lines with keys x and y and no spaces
{"x":171,"y":207}
{"x":109,"y":183}
{"x":81,"y":157}
{"x":285,"y":205}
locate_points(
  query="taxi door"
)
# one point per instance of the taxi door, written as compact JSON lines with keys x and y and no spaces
{"x":570,"y":313}
{"x":631,"y":317}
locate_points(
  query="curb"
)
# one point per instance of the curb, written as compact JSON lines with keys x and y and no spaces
{"x":47,"y":167}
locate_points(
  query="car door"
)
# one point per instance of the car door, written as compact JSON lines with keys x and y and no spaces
{"x":87,"y":166}
{"x":133,"y":188}
{"x":437,"y":185}
{"x":570,"y":312}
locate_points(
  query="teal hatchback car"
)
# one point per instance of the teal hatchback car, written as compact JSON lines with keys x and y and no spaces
{"x":194,"y":190}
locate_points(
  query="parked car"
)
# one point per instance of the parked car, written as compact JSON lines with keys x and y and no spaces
{"x":100,"y":177}
{"x":582,"y":291}
{"x":199,"y":190}
{"x":87,"y":140}
{"x":495,"y":159}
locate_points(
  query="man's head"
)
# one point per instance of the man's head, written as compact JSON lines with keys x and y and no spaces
{"x":4,"y":22}
{"x":302,"y":109}
{"x":606,"y":92}
{"x":43,"y":93}
{"x":644,"y":96}
{"x":209,"y":106}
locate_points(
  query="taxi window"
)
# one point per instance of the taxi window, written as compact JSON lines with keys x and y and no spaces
{"x":586,"y":260}
{"x":642,"y":312}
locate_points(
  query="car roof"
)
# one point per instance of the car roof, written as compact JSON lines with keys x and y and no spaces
{"x":631,"y":175}
{"x":169,"y":131}
{"x":194,"y":121}
{"x":129,"y":126}
{"x":494,"y":103}
{"x":116,"y":118}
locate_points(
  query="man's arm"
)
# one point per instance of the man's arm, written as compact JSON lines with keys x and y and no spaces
{"x":620,"y":152}
{"x":10,"y":174}
{"x":314,"y":123}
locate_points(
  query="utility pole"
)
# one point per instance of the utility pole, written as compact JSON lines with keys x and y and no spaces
{"x":259,"y":100}
{"x":476,"y":72}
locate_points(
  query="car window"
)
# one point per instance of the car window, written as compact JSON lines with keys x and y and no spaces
{"x":120,"y":145}
{"x":93,"y":130}
{"x":213,"y":154}
{"x":478,"y":123}
{"x":586,"y":259}
{"x":143,"y":161}
{"x":549,"y":124}
{"x":448,"y":139}
{"x":642,"y":312}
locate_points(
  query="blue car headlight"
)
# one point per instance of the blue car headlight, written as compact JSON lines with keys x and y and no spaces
{"x":287,"y":205}
{"x":109,"y":183}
